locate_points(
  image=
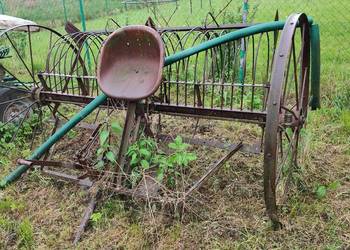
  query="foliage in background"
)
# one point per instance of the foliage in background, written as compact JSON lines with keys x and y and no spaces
{"x":53,"y":12}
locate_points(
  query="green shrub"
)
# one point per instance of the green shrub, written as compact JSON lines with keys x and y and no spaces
{"x":145,"y":155}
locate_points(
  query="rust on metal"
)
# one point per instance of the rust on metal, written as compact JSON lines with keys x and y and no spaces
{"x":61,"y":164}
{"x":131,"y":63}
{"x":67,"y":177}
{"x":127,"y":65}
{"x":273,"y":160}
{"x":212,"y":170}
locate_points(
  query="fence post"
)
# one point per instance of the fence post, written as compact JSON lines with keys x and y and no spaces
{"x":65,"y":10}
{"x":82,"y":14}
{"x":243,"y":49}
{"x":83,"y":24}
{"x":315,"y":102}
{"x":106,"y":6}
{"x":2,"y":7}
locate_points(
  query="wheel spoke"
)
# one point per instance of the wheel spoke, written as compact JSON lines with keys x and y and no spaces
{"x":285,"y":157}
{"x":14,"y":100}
{"x":295,"y":76}
{"x":20,"y":125}
{"x":31,"y":53}
{"x":285,"y":84}
{"x":302,"y":97}
{"x":20,"y":57}
{"x":18,"y":81}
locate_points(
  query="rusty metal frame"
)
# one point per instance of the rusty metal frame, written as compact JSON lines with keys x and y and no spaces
{"x":269,"y":117}
{"x":281,"y":63}
{"x":47,"y":95}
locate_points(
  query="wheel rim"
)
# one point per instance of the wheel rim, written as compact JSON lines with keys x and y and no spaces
{"x":286,"y":111}
{"x":27,"y":52}
{"x":17,"y":111}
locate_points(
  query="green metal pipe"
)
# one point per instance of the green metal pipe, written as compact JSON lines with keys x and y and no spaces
{"x":252,"y":30}
{"x":259,"y":28}
{"x":39,"y":152}
{"x":315,"y":101}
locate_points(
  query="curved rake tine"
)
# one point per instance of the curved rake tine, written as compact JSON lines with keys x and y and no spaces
{"x":113,"y":21}
{"x":222,"y":10}
{"x":172,"y":14}
{"x":254,"y":68}
{"x":213,"y":19}
{"x":55,"y":110}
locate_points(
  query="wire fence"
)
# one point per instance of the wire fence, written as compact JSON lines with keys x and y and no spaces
{"x":332,"y":16}
{"x":56,"y":12}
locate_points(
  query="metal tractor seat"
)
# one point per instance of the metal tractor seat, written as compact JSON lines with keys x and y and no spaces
{"x":131,"y":62}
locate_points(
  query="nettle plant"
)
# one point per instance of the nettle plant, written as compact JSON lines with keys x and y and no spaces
{"x":146,"y":157}
{"x":105,"y":153}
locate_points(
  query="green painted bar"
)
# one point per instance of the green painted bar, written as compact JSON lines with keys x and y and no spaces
{"x":315,"y":101}
{"x":256,"y":29}
{"x":238,"y":34}
{"x":54,"y":138}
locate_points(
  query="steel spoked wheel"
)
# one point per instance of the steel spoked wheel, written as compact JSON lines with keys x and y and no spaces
{"x":286,"y":112}
{"x":26,"y":47}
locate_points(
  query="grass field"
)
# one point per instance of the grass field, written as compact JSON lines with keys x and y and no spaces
{"x":40,"y":213}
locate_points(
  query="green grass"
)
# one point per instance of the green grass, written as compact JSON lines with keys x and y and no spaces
{"x":313,"y":221}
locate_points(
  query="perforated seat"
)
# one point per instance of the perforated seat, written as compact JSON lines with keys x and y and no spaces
{"x":131,"y":63}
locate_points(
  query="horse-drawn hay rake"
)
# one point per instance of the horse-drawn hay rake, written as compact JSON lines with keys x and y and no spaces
{"x":203,"y":76}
